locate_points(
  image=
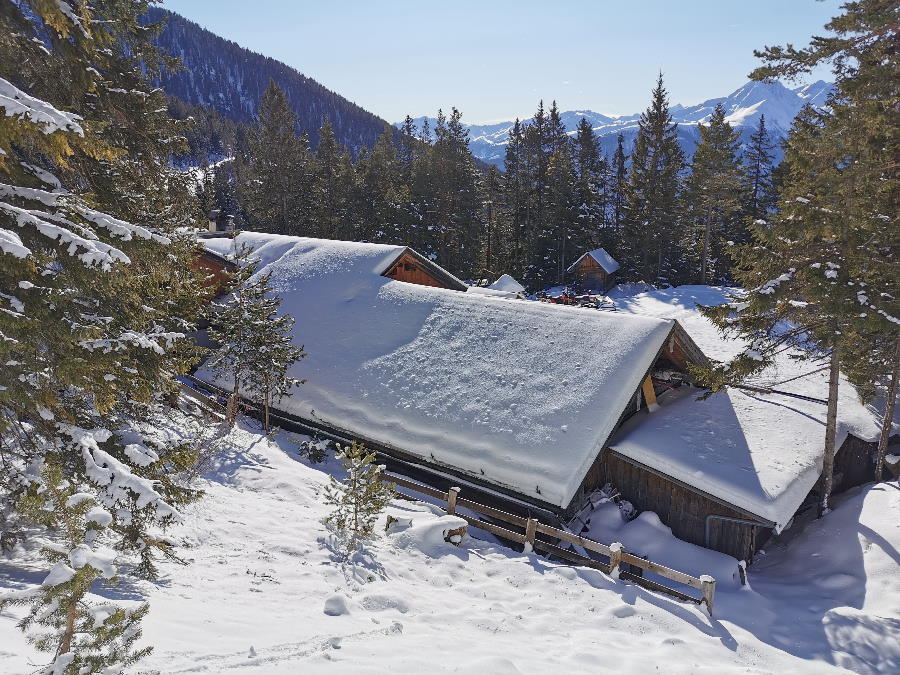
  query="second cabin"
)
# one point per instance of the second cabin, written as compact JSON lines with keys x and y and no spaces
{"x":594,"y":271}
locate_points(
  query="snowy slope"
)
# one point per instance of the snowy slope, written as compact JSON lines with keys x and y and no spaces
{"x":264,"y":595}
{"x":744,"y":106}
{"x":511,"y":392}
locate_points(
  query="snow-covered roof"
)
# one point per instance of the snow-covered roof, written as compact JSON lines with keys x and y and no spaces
{"x":507,"y":283}
{"x":601,"y":257}
{"x":522,"y":395}
{"x":759,"y":452}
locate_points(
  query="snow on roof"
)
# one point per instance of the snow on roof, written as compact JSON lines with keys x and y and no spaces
{"x":601,"y":257}
{"x":760,"y":452}
{"x":522,"y":395}
{"x":486,"y":290}
{"x":507,"y":283}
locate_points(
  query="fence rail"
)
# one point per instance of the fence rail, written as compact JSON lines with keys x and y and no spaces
{"x":529,"y":539}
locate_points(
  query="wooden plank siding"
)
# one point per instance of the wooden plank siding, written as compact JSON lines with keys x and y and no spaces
{"x":407,"y":268}
{"x":680,"y":508}
{"x":590,"y":275}
{"x":216,"y":268}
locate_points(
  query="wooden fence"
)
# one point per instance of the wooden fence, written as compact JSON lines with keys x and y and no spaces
{"x":531,"y":528}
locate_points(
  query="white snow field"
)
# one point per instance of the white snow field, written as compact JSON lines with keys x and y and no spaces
{"x":264,"y":594}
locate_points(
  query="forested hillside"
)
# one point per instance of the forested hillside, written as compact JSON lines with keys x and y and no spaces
{"x":230,"y":79}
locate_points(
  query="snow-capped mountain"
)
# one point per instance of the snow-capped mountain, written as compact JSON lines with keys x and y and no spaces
{"x":744,"y":106}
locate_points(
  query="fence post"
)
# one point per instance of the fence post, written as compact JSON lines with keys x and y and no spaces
{"x":708,"y":584}
{"x":615,"y":559}
{"x":452,"y":494}
{"x":530,"y":529}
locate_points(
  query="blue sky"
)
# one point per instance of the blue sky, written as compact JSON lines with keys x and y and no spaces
{"x":495,"y":60}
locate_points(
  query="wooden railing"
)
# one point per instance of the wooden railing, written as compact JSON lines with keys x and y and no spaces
{"x":531,"y":528}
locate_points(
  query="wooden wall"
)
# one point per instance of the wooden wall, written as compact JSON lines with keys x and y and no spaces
{"x":212,"y":266}
{"x":407,"y":269}
{"x":681,"y":509}
{"x":590,"y":275}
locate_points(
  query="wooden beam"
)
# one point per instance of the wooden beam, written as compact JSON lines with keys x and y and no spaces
{"x":649,"y":394}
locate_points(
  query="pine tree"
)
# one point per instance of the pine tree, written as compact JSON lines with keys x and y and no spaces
{"x":270,"y":353}
{"x":94,"y":317}
{"x":495,"y":235}
{"x":591,"y":190}
{"x":329,"y":200}
{"x":651,"y":225}
{"x":618,"y":188}
{"x":255,"y":350}
{"x":381,"y":217}
{"x":360,"y":498}
{"x":823,"y":273}
{"x":713,"y":201}
{"x":563,"y":238}
{"x":278,"y":178}
{"x":515,"y":201}
{"x":457,"y":208}
{"x":759,"y":188}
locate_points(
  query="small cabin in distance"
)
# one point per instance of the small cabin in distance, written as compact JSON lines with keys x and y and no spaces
{"x":594,"y":271}
{"x":414,"y":268}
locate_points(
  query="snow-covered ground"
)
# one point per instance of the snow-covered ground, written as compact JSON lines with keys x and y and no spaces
{"x":265,"y":593}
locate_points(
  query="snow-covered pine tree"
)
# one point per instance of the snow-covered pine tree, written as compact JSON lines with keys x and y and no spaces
{"x":270,"y":353}
{"x":254,"y":350}
{"x":713,"y":201}
{"x":94,"y":311}
{"x":822,"y":274}
{"x":359,"y":499}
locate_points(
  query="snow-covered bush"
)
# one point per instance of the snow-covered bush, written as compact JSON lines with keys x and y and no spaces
{"x":314,"y":449}
{"x":359,"y":499}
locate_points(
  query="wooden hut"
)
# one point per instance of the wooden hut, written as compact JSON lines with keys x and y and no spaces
{"x":594,"y":271}
{"x":414,"y":268}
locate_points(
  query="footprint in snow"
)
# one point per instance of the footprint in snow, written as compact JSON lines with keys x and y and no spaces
{"x":623,"y":611}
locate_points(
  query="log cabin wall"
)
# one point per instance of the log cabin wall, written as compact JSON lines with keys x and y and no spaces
{"x":678,"y":507}
{"x":215,"y":267}
{"x":590,"y":275}
{"x":408,"y":269}
{"x":854,"y":463}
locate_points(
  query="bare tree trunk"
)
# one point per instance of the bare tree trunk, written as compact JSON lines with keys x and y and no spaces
{"x":830,"y":431}
{"x":266,"y":411}
{"x":888,"y":421}
{"x":65,"y":644}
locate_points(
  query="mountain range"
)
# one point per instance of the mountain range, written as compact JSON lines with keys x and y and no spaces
{"x":744,"y":106}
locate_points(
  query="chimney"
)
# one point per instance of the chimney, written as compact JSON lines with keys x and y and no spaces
{"x":213,"y":218}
